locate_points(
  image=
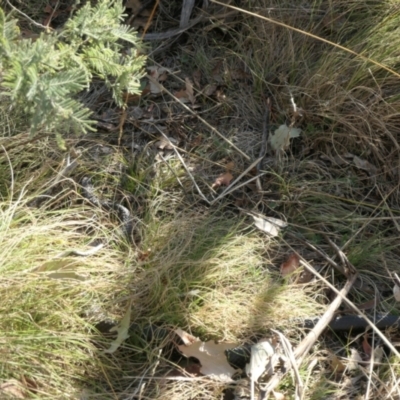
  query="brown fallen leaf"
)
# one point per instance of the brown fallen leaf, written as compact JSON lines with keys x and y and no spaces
{"x":367,"y":347}
{"x":223,"y":180}
{"x":186,"y":95}
{"x":229,"y":167}
{"x":290,"y":265}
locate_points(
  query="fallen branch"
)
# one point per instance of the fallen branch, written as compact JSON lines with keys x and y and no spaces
{"x":302,"y":349}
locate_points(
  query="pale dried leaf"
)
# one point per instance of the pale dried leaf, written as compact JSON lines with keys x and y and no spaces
{"x":281,"y":138}
{"x":396,"y":292}
{"x":212,"y":358}
{"x":122,"y":331}
{"x":278,"y":395}
{"x":354,"y":360}
{"x":223,"y":180}
{"x":187,"y":338}
{"x":365,"y":165}
{"x":197,"y":78}
{"x":12,"y":388}
{"x":166,"y":144}
{"x":261,"y":354}
{"x":269,"y":225}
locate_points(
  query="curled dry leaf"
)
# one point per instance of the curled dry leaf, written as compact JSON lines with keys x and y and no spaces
{"x":223,"y":180}
{"x":367,"y":347}
{"x":260,"y":360}
{"x":290,"y":265}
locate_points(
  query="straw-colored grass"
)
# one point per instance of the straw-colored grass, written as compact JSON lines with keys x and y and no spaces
{"x":203,"y":268}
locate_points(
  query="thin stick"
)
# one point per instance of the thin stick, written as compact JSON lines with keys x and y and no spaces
{"x":305,"y":345}
{"x":197,"y":116}
{"x":150,"y":18}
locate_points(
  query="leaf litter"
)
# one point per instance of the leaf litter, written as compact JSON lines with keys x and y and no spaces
{"x":211,"y":356}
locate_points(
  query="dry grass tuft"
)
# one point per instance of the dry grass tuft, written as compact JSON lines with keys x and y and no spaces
{"x":199,"y":267}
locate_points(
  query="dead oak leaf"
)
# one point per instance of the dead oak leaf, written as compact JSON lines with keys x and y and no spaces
{"x":224,"y":179}
{"x":211,"y":355}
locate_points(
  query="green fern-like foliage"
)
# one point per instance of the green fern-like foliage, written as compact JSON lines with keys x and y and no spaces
{"x":43,"y":77}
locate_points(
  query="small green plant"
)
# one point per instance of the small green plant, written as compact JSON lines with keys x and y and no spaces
{"x":43,"y":77}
